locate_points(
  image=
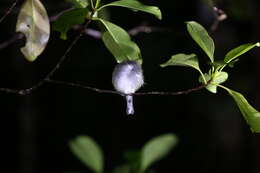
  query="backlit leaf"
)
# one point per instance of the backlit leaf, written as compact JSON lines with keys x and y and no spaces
{"x":156,"y":149}
{"x":181,"y":59}
{"x":88,"y":152}
{"x":137,"y":6}
{"x":202,"y":38}
{"x":240,"y":50}
{"x":251,"y":115}
{"x":185,"y":60}
{"x":33,"y":22}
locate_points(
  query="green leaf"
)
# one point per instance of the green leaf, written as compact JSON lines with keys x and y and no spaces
{"x":33,"y":22}
{"x":202,"y":38}
{"x":68,"y":19}
{"x":216,"y":79}
{"x":240,"y":50}
{"x":185,"y":60}
{"x":137,"y":6}
{"x":251,"y":115}
{"x":79,"y":3}
{"x":119,"y":43}
{"x":88,"y":152}
{"x":156,"y":149}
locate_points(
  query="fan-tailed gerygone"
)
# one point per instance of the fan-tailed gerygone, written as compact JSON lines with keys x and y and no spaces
{"x":127,"y":78}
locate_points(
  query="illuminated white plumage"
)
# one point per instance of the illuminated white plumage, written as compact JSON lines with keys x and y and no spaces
{"x":127,"y":78}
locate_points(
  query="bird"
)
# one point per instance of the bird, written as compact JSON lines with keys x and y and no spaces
{"x":127,"y":78}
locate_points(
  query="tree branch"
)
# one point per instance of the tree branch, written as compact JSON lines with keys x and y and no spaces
{"x":98,"y":90}
{"x":14,"y":38}
{"x":160,"y":93}
{"x":90,"y":32}
{"x":220,"y":16}
{"x":9,"y":10}
{"x":144,"y":28}
{"x":41,"y":82}
{"x":96,"y":34}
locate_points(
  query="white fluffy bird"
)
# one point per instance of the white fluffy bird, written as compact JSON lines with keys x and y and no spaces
{"x":127,"y":78}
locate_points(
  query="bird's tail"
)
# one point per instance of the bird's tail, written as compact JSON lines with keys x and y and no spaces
{"x":129,"y":105}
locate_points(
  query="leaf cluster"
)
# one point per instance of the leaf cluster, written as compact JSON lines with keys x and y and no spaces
{"x":140,"y":161}
{"x":115,"y":38}
{"x":216,"y":76}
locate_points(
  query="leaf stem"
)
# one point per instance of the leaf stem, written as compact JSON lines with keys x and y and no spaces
{"x":225,"y":88}
{"x":92,"y":4}
{"x":222,"y":67}
{"x":97,"y":4}
{"x":213,"y":69}
{"x":203,"y":77}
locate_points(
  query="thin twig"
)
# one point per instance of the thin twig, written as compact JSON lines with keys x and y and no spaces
{"x":10,"y":91}
{"x":147,"y":29}
{"x":9,"y":10}
{"x":160,"y":93}
{"x":77,"y":85}
{"x":41,"y":82}
{"x":183,"y":92}
{"x":82,"y":86}
{"x":91,"y":32}
{"x":220,"y":16}
{"x":83,"y":30}
{"x":14,"y":38}
{"x":133,"y":32}
{"x":56,"y":16}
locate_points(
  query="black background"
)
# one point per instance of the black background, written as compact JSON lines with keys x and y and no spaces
{"x":35,"y":129}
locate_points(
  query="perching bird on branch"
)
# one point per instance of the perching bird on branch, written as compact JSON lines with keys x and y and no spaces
{"x":127,"y":78}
